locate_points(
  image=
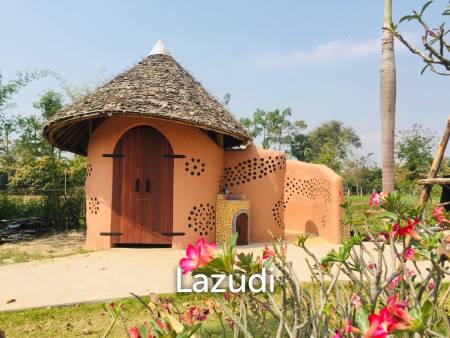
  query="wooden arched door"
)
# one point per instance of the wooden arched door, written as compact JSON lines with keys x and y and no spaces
{"x":143,"y":188}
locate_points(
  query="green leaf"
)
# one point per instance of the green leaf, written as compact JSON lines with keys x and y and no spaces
{"x":362,"y":319}
{"x":427,"y":310}
{"x":143,"y":331}
{"x":246,"y":263}
{"x":327,"y":309}
{"x":301,"y":239}
{"x":194,"y":329}
{"x":408,"y":17}
{"x":425,"y":7}
{"x":391,"y":215}
{"x":156,"y":330}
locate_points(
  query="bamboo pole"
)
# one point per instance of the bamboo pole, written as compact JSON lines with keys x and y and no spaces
{"x":438,"y":181}
{"x":426,"y":190}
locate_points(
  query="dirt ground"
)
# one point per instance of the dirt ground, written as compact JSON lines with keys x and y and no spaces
{"x":63,"y":244}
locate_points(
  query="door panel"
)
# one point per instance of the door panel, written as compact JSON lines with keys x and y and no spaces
{"x":242,"y":229}
{"x":143,"y":187}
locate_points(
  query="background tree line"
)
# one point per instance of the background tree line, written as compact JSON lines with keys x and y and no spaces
{"x":38,"y":180}
{"x":333,"y":144}
{"x":35,"y":178}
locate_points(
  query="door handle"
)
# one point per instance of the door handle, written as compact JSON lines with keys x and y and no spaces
{"x":137,"y":185}
{"x":147,"y":185}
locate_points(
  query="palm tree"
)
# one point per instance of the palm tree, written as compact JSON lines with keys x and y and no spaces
{"x":387,"y":100}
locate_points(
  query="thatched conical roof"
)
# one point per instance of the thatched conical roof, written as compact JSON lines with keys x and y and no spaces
{"x":156,"y":87}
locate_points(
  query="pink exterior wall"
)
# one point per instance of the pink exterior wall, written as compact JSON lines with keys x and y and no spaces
{"x":312,"y":196}
{"x":190,"y":191}
{"x":289,"y":195}
{"x":258,"y":174}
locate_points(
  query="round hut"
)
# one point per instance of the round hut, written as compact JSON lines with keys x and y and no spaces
{"x":154,"y":141}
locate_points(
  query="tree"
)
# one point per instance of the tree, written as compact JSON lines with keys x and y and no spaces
{"x":226,"y":99}
{"x":257,"y":126}
{"x":74,"y":92}
{"x":35,"y":175}
{"x":301,"y":147}
{"x":30,"y":140}
{"x":8,"y":128}
{"x":414,"y":150}
{"x":10,"y":88}
{"x":49,"y":104}
{"x":274,"y":127}
{"x":28,"y":163}
{"x":388,"y":86}
{"x":280,"y":130}
{"x":435,"y":46}
{"x":362,"y":175}
{"x":330,"y":144}
{"x":7,"y":90}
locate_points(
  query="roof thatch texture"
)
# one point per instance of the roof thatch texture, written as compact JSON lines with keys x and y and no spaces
{"x":156,"y":87}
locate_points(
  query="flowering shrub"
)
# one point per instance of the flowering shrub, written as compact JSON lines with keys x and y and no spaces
{"x":165,"y":319}
{"x":387,"y":282}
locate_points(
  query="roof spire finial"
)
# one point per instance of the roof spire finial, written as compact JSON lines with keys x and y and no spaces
{"x":159,"y":48}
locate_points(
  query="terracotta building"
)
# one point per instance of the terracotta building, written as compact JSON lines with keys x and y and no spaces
{"x":161,"y":151}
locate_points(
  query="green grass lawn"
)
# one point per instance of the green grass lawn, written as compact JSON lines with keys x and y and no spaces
{"x":56,"y":245}
{"x":90,"y":320}
{"x":11,"y":256}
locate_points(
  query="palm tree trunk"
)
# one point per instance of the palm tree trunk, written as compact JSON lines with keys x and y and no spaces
{"x":387,"y":100}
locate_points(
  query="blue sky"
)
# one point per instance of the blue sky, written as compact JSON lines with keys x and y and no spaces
{"x":321,"y":58}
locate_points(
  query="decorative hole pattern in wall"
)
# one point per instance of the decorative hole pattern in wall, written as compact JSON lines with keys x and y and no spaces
{"x":253,"y":169}
{"x":93,"y":205}
{"x":88,"y":170}
{"x":194,"y":167}
{"x":277,"y":212}
{"x":311,"y":188}
{"x":202,"y":219}
{"x":221,"y":183}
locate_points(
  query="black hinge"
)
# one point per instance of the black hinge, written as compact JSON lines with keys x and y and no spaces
{"x":113,"y":155}
{"x":112,"y":234}
{"x":173,"y":156}
{"x":173,"y":234}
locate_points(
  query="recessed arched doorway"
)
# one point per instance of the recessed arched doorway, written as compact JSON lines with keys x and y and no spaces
{"x":143,"y":188}
{"x":240,"y":226}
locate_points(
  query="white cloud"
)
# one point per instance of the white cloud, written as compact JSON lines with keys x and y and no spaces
{"x":333,"y":51}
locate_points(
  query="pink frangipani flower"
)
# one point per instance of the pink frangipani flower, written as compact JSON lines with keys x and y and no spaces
{"x":408,"y":254}
{"x":380,"y":325}
{"x":198,"y":255}
{"x":356,"y":301}
{"x":394,"y":282}
{"x":338,"y":334}
{"x":397,"y":310}
{"x":371,"y":265}
{"x":346,"y":330}
{"x":376,"y":198}
{"x":410,"y":273}
{"x":407,"y":230}
{"x":133,"y":332}
{"x":267,"y":253}
{"x":438,"y":214}
{"x":392,"y":317}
